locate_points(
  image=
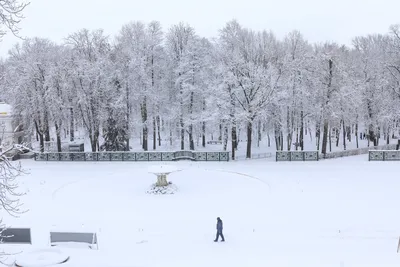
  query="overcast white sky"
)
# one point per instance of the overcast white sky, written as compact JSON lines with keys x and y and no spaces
{"x":318,"y":20}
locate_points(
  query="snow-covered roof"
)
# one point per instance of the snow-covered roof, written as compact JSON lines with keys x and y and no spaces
{"x":5,"y":109}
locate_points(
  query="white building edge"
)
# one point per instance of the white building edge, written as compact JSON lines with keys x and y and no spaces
{"x":11,"y":132}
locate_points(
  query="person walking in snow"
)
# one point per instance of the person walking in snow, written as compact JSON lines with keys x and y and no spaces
{"x":219,"y":230}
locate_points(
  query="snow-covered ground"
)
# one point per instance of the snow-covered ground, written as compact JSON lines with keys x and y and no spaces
{"x":339,"y":213}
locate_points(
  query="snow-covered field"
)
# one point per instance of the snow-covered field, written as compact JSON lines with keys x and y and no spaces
{"x":341,"y":213}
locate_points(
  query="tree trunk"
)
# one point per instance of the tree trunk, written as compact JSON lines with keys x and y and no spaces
{"x":152,"y":86}
{"x":234,"y":140}
{"x":259,"y":133}
{"x":158,"y":130}
{"x":325,"y":134}
{"x":330,"y":139}
{"x":371,"y":128}
{"x":58,"y":136}
{"x":302,"y":130}
{"x":344,"y":135}
{"x":220,"y":132}
{"x":338,"y":134}
{"x":154,"y":133}
{"x":289,"y":130}
{"x":317,"y":133}
{"x":47,"y":134}
{"x":46,"y":128}
{"x":387,"y":138}
{"x":234,"y":126}
{"x":170,"y":136}
{"x":72,"y":126}
{"x":278,"y":136}
{"x":93,"y":142}
{"x":191,"y":141}
{"x":249,"y":135}
{"x":145,"y":144}
{"x":371,"y":134}
{"x":203,"y":127}
{"x":325,"y":137}
{"x":378,"y":136}
{"x":182,"y":132}
{"x":226,"y":136}
{"x":144,"y":121}
{"x":40,"y":134}
{"x":357,"y":134}
{"x":269,"y":140}
{"x":203,"y":134}
{"x":348,"y":133}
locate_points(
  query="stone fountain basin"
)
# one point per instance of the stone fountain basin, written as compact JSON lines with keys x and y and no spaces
{"x":163,"y":169}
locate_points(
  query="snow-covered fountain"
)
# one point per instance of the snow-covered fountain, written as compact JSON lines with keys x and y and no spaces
{"x":162,"y":185}
{"x":41,"y":258}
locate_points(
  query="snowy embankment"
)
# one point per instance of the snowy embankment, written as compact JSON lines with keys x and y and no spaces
{"x":341,"y":212}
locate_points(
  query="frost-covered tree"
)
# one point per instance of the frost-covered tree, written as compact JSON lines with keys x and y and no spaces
{"x":90,"y":79}
{"x":140,"y":60}
{"x":255,"y":69}
{"x":327,"y":73}
{"x":11,"y":14}
{"x":392,"y":62}
{"x":181,"y":44}
{"x":295,"y":98}
{"x":179,"y":87}
{"x":57,"y":82}
{"x":372,"y":80}
{"x":26,"y":80}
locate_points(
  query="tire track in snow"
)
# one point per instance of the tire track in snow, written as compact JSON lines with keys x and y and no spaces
{"x":53,"y":195}
{"x":245,"y":175}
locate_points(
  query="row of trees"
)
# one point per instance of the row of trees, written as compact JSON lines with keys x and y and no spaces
{"x":179,"y":86}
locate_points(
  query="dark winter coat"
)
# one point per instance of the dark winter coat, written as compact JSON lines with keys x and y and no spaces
{"x":219,"y":225}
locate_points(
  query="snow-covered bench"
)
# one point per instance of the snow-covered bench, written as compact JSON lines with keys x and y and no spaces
{"x":74,"y":239}
{"x":15,"y":236}
{"x":214,"y":142}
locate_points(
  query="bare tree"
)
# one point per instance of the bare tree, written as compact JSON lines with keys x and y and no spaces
{"x":11,"y":15}
{"x":9,"y":197}
{"x":8,"y":174}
